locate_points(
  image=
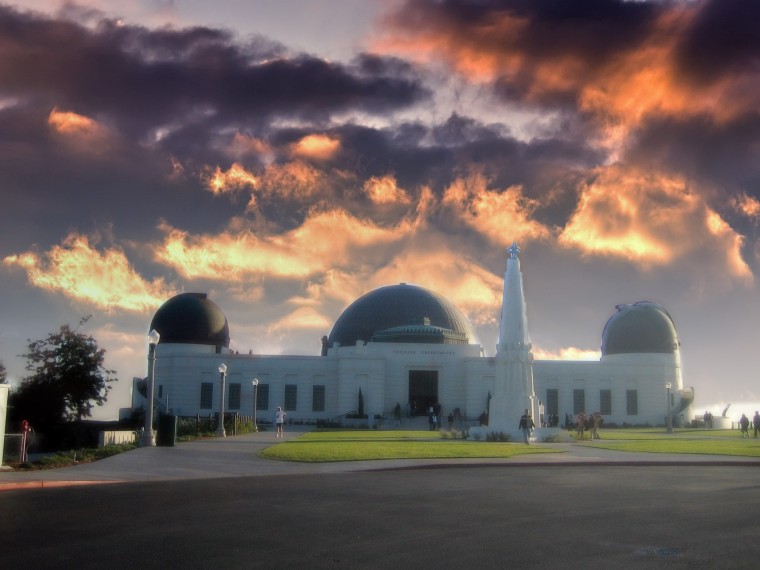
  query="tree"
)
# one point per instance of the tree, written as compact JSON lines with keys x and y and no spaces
{"x":67,"y":378}
{"x":3,"y":373}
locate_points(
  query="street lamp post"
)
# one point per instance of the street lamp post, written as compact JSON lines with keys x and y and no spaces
{"x":670,"y":416}
{"x":255,"y":383}
{"x":222,"y":375}
{"x":148,"y":439}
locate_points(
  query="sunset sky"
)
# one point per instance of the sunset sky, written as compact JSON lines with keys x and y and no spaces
{"x":289,"y":156}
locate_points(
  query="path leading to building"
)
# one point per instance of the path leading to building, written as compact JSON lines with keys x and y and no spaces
{"x":238,"y":456}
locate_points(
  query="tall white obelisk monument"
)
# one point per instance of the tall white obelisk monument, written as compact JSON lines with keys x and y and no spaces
{"x":513,"y":388}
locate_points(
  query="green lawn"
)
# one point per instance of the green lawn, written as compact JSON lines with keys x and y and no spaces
{"x":349,"y":445}
{"x":694,"y":441}
{"x":357,"y":445}
{"x":738,"y":447}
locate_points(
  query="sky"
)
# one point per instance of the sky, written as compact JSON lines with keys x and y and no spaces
{"x":289,"y":156}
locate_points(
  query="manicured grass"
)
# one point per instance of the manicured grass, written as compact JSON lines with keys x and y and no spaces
{"x":739,"y":447}
{"x":694,"y":441}
{"x":659,"y":433}
{"x":349,"y":445}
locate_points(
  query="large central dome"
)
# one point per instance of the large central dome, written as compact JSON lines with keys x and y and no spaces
{"x":398,"y":306}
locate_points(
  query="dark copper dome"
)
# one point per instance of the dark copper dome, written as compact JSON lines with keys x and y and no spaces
{"x":191,"y":318}
{"x":399,"y":306}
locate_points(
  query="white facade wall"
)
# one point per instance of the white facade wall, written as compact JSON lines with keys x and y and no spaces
{"x":644,"y":373}
{"x":381,"y":371}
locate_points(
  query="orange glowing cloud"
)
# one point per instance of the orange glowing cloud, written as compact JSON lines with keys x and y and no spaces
{"x":296,"y":180}
{"x":72,"y":124}
{"x":293,"y":180}
{"x":620,"y":87}
{"x":469,"y":286}
{"x":494,"y":214}
{"x":234,"y":179}
{"x":567,"y":353}
{"x":317,"y":147}
{"x":747,"y":205}
{"x":732,"y":242}
{"x":385,"y":191}
{"x":648,"y":218}
{"x":243,"y":145}
{"x":103,"y":279}
{"x":324,"y":240}
{"x":299,"y":319}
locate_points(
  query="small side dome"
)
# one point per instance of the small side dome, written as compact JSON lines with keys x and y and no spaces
{"x":191,"y":318}
{"x":639,"y":328}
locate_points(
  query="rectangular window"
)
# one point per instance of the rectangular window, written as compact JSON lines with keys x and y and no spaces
{"x":207,"y":395}
{"x":233,"y":398}
{"x":579,"y":400}
{"x":262,"y":397}
{"x":291,"y":397}
{"x":318,"y":400}
{"x":631,"y":402}
{"x":605,"y":402}
{"x":552,"y":401}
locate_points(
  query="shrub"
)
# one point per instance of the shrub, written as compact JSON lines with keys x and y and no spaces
{"x":553,"y":438}
{"x":497,"y":436}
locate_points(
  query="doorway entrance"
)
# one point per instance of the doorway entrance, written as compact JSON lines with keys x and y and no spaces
{"x":423,"y":390}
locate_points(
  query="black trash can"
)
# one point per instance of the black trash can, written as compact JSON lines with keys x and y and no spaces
{"x":167,"y":431}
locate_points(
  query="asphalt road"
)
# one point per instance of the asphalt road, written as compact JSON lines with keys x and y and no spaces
{"x":544,"y":516}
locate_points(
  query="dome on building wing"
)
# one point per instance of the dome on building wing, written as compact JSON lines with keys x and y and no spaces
{"x":642,"y":327}
{"x":191,"y":318}
{"x":388,"y":312}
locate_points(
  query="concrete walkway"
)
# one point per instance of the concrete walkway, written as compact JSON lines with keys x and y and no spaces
{"x":238,"y":457}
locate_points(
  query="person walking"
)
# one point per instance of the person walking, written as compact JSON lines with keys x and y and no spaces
{"x":756,"y":422}
{"x":744,"y":425}
{"x":581,"y":425}
{"x":279,"y":420}
{"x":526,"y":424}
{"x":596,"y":422}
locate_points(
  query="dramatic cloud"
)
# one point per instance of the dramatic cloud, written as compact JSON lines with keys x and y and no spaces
{"x":141,"y":78}
{"x":501,"y":216}
{"x":325,"y":240}
{"x":383,"y":190}
{"x":649,"y":219}
{"x":318,"y":147}
{"x":615,"y":60}
{"x":105,"y":280}
{"x":616,"y":141}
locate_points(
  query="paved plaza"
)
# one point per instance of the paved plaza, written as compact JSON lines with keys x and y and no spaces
{"x":214,"y":503}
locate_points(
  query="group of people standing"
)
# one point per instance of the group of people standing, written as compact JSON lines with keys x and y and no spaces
{"x":590,"y":423}
{"x":744,"y":424}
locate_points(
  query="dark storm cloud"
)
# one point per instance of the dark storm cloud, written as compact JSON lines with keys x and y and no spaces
{"x":151,"y":97}
{"x":140,"y":78}
{"x":521,"y":36}
{"x":724,"y":38}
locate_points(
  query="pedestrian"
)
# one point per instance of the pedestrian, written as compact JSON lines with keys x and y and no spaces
{"x":756,"y":422}
{"x":279,"y":420}
{"x":450,"y":421}
{"x":596,"y":422}
{"x":581,"y":425}
{"x":526,"y":424}
{"x":744,"y":425}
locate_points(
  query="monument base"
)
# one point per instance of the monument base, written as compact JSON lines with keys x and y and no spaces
{"x":539,"y":435}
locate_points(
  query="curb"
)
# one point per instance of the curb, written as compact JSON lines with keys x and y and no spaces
{"x":52,"y":484}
